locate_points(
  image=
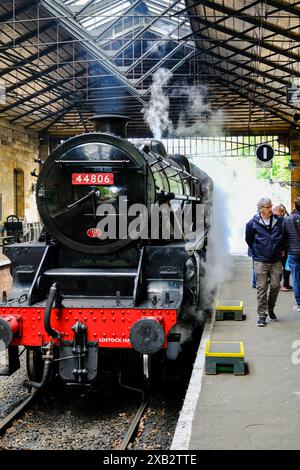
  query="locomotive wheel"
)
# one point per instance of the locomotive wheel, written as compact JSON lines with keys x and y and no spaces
{"x":34,"y":364}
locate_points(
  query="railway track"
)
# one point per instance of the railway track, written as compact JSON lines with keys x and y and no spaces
{"x":130,"y":434}
{"x":135,"y":422}
{"x":15,"y":413}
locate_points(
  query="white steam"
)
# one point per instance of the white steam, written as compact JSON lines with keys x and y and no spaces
{"x":218,"y":267}
{"x":159,"y":47}
{"x":206,"y":121}
{"x":156,"y":112}
{"x":174,"y":348}
{"x":197,"y":119}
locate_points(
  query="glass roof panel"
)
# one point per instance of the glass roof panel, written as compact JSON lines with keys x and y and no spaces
{"x":95,"y":14}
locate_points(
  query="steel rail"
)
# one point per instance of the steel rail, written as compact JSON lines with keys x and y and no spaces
{"x":135,"y":422}
{"x":6,"y":422}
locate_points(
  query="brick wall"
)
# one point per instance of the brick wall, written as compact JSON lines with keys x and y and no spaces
{"x":18,"y":148}
{"x":5,"y":280}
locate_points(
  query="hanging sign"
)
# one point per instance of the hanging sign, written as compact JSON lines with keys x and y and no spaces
{"x":293,"y":95}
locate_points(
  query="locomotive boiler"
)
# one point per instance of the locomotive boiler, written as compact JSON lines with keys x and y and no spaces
{"x":102,"y":279}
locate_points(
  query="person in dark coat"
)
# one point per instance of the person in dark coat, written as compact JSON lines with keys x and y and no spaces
{"x":265,"y":240}
{"x":281,"y":211}
{"x":291,"y":234}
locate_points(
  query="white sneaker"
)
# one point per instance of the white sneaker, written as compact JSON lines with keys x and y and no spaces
{"x":296,"y":308}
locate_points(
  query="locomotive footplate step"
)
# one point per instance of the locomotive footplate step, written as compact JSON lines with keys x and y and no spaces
{"x":230,"y":310}
{"x":225,"y":356}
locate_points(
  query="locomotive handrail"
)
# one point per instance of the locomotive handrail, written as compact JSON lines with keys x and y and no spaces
{"x":179,"y":172}
{"x":91,"y":194}
{"x":92,"y":162}
{"x":32,"y":296}
{"x":53,"y":294}
{"x":164,"y":196}
{"x":87,"y":272}
{"x":139,"y":278}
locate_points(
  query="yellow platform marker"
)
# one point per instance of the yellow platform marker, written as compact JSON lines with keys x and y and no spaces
{"x":225,"y":356}
{"x":230,"y":310}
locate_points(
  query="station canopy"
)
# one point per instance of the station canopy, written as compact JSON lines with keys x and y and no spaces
{"x":62,"y":61}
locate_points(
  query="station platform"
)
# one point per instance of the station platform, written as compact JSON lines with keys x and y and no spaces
{"x":259,"y":410}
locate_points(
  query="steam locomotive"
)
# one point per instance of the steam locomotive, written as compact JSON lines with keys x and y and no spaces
{"x":80,"y":293}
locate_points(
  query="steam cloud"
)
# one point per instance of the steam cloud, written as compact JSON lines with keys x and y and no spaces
{"x":156,"y":113}
{"x":218,"y":268}
{"x":207,"y":121}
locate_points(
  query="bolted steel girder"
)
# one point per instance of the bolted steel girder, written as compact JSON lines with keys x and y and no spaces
{"x":76,"y":30}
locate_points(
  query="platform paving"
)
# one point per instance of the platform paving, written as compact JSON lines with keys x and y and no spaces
{"x":260,"y":410}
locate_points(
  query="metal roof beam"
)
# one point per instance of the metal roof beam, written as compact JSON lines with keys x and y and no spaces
{"x":247,"y":38}
{"x":278,"y":5}
{"x":143,"y":30}
{"x":251,"y":41}
{"x":76,"y":30}
{"x":251,"y":57}
{"x":159,"y":63}
{"x":101,"y":8}
{"x":21,"y":39}
{"x":250,"y":70}
{"x":290,"y":8}
{"x":259,"y":23}
{"x":84,"y":8}
{"x":151,"y":49}
{"x":81,"y":119}
{"x":42,"y":105}
{"x":251,"y":81}
{"x":65,"y":111}
{"x":37,"y":75}
{"x":31,"y":58}
{"x":14,"y":13}
{"x":172,"y":70}
{"x":197,"y":3}
{"x":253,"y":100}
{"x":38,"y":93}
{"x":116,"y":21}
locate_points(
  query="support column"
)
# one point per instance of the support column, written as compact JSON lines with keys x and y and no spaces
{"x":44,"y":145}
{"x":295,"y":174}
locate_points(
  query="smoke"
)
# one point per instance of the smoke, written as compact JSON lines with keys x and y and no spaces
{"x":218,"y":267}
{"x":159,"y":47}
{"x":156,"y":112}
{"x":174,"y":348}
{"x":206,"y":120}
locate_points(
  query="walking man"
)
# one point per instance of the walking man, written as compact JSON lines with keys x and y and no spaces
{"x":281,"y":211}
{"x":264,"y":238}
{"x":291,"y":234}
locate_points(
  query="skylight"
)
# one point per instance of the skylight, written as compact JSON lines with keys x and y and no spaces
{"x":95,"y":14}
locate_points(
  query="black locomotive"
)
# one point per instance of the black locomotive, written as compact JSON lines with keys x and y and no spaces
{"x":81,"y":290}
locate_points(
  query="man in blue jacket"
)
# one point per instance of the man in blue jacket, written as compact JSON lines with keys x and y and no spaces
{"x":265,"y":239}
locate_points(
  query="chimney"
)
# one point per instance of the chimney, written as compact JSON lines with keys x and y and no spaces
{"x":111,"y":123}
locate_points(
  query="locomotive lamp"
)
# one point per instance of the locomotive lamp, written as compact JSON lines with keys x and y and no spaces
{"x":9,"y":355}
{"x":147,"y":336}
{"x":9,"y":327}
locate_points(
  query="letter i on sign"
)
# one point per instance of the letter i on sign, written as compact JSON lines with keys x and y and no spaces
{"x":265,"y":155}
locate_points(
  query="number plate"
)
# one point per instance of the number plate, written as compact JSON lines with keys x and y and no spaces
{"x":93,"y":178}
